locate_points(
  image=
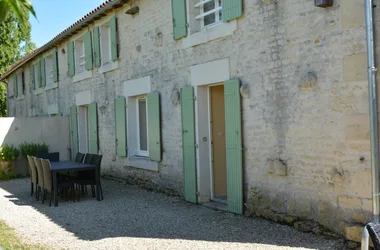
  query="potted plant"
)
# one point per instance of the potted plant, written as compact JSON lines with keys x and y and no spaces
{"x":20,"y":167}
{"x":8,"y":154}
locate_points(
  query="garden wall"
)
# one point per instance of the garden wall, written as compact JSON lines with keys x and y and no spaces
{"x":54,"y":131}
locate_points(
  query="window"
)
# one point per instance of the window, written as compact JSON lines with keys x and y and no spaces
{"x":36,"y":75}
{"x":49,"y":70}
{"x":79,"y":56}
{"x":105,"y":44}
{"x":210,"y":12}
{"x":142,"y":126}
{"x":83,"y":128}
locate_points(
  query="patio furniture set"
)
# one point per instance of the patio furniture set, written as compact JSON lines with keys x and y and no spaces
{"x":48,"y":175}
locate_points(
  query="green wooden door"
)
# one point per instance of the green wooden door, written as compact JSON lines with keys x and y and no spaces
{"x":120,"y":127}
{"x":74,"y":132}
{"x":188,"y":144}
{"x":154,"y":127}
{"x":93,"y":129}
{"x":234,"y":155}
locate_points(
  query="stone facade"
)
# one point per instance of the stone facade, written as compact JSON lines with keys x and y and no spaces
{"x":304,"y":107}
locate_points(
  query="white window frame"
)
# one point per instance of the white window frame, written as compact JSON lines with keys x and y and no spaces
{"x":102,"y":45}
{"x":140,"y":152}
{"x":84,"y":74}
{"x":49,"y":73}
{"x":202,"y":14}
{"x":198,"y":33}
{"x":79,"y":59}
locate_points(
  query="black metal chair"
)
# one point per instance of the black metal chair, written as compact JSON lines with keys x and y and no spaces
{"x":374,"y":233}
{"x":88,"y":177}
{"x":48,"y":182}
{"x":79,"y":157}
{"x":49,"y":156}
{"x":87,"y":158}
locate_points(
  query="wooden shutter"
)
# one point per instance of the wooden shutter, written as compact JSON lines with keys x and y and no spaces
{"x":15,"y":87}
{"x":42,"y":73}
{"x":74,"y":132}
{"x":113,"y":34}
{"x":55,"y":66}
{"x":234,"y":156}
{"x":232,"y":9}
{"x":88,"y":50}
{"x":93,"y":128}
{"x":97,"y":52}
{"x":179,"y":19}
{"x":188,"y":144}
{"x":120,"y":127}
{"x":32,"y":76}
{"x":70,"y":59}
{"x":154,"y":127}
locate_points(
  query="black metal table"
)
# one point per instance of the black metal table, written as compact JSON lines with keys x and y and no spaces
{"x":65,"y":166}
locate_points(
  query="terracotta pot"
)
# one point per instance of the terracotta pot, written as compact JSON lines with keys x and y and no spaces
{"x":6,"y":166}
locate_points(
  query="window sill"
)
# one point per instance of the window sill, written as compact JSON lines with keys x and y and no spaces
{"x":39,"y":91}
{"x":19,"y":98}
{"x":209,"y":34}
{"x":81,"y":76}
{"x":110,"y":66}
{"x":142,"y":162}
{"x":51,"y":86}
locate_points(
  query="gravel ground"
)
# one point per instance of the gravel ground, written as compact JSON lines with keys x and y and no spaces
{"x":133,"y":218}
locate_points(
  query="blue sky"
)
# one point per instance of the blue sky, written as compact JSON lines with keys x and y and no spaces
{"x":53,"y":16}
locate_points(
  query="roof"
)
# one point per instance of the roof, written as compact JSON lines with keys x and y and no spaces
{"x":93,"y":15}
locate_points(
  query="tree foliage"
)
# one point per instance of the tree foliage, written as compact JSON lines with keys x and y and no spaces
{"x":15,"y":43}
{"x":3,"y":100}
{"x":21,"y":8}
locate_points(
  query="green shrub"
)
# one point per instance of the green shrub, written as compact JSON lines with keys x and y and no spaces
{"x":33,"y":149}
{"x":9,"y":153}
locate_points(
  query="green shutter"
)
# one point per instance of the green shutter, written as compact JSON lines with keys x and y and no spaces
{"x":70,"y":59}
{"x":74,"y":132}
{"x":113,"y":33}
{"x":179,"y":19}
{"x":233,"y":146}
{"x":96,"y":47}
{"x":55,"y":66}
{"x":15,"y":87}
{"x":93,"y":128}
{"x":188,"y":144}
{"x":32,"y":76}
{"x":232,"y":9}
{"x":88,"y":51}
{"x":40,"y":73}
{"x":43,"y":73}
{"x":154,"y":131}
{"x":120,"y":127}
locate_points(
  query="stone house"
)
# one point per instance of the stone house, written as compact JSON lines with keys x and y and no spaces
{"x":213,"y":99}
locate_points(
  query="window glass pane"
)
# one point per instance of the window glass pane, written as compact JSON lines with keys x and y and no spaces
{"x":143,"y":125}
{"x":220,"y":11}
{"x":105,"y":44}
{"x":209,"y":19}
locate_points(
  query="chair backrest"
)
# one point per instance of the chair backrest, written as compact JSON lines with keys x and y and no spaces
{"x":79,"y":157}
{"x":96,"y":160}
{"x":49,"y":156}
{"x":40,"y":173}
{"x":32,"y":169}
{"x":87,"y":158}
{"x":374,"y":233}
{"x":48,"y":179}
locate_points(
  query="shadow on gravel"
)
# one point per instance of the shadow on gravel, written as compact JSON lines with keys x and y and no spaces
{"x":128,"y":211}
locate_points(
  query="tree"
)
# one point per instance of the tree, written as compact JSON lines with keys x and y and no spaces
{"x":15,"y":43}
{"x":3,"y":100}
{"x":21,"y":8}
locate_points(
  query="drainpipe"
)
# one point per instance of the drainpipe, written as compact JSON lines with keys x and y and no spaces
{"x":373,"y":120}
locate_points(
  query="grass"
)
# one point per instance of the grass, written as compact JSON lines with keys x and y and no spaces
{"x":9,"y":240}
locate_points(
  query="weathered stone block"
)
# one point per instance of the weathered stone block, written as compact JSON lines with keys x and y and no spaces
{"x":308,"y":81}
{"x":346,"y":201}
{"x":355,"y":68}
{"x":353,"y":14}
{"x":357,"y":127}
{"x":277,"y":167}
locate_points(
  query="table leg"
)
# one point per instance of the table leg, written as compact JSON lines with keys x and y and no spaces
{"x":55,"y":188}
{"x":97,"y":176}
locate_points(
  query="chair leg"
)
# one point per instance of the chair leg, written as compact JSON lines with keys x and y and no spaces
{"x":93,"y":191}
{"x":101,"y":190}
{"x":51,"y":195}
{"x":38,"y":193}
{"x":43,"y":196}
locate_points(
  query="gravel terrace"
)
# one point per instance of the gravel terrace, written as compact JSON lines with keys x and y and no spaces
{"x":133,"y":218}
